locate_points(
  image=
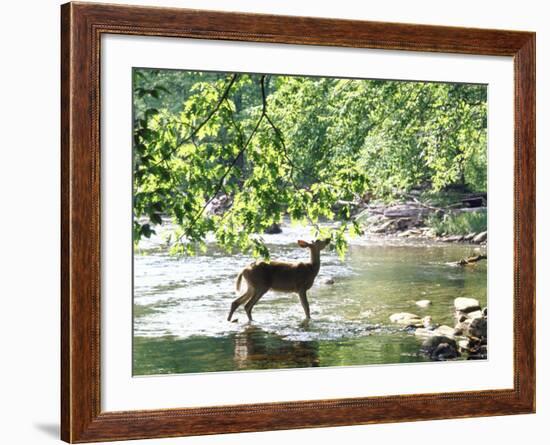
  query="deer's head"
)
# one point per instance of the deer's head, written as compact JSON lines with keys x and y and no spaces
{"x":316,"y":245}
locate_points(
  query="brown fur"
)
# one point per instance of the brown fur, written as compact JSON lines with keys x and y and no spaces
{"x":280,"y":276}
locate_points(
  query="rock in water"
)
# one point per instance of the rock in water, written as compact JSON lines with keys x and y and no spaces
{"x":464,"y":344}
{"x":477,"y":351}
{"x":463,"y":304}
{"x":462,"y":327}
{"x":273,"y":229}
{"x":424,"y":332}
{"x":406,"y":319}
{"x":445,"y":331}
{"x":329,"y":281}
{"x":423,"y":303}
{"x":474,"y":314}
{"x":445,"y":351}
{"x":428,"y":323}
{"x":478,"y":328}
{"x":440,"y":347}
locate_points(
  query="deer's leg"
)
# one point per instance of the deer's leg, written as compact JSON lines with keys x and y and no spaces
{"x":250,"y":304}
{"x":237,"y":302}
{"x":305,"y":304}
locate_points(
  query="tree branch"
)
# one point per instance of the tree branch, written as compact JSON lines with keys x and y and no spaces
{"x":290,"y":162}
{"x":471,"y":260}
{"x":220,"y":183}
{"x":212,"y":112}
{"x":194,"y":131}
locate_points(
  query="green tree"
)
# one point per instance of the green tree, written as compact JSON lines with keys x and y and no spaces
{"x":288,"y":145}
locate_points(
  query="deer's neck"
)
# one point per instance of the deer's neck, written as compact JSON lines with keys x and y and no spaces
{"x":315,"y":261}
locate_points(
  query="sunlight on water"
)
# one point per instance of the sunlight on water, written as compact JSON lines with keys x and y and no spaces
{"x":181,"y":306}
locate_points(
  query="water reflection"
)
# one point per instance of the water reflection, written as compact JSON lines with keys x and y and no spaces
{"x":255,"y":349}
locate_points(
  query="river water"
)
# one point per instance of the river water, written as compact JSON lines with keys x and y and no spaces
{"x":181,"y":306}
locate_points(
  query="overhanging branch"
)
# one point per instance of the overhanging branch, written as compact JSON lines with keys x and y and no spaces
{"x":221,"y":181}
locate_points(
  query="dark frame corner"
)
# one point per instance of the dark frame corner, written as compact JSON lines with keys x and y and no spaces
{"x":82,"y":25}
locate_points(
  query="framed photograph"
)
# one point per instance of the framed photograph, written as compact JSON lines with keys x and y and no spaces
{"x":274,"y":222}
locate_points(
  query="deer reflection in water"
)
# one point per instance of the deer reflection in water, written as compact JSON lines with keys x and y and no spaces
{"x":254,"y":349}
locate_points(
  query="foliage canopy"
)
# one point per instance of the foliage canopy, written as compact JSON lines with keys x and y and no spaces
{"x":306,"y":147}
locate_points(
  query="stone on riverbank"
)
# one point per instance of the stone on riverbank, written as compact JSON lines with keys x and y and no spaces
{"x":480,"y":237}
{"x":371,"y":220}
{"x":406,"y":210}
{"x":411,"y":218}
{"x":410,"y":233}
{"x":452,"y":239}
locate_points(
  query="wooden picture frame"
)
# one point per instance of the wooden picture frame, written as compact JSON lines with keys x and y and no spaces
{"x":82,"y":25}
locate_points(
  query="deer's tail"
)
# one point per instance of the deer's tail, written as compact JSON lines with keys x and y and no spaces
{"x":238,"y":282}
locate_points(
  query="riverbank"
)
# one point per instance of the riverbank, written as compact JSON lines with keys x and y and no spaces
{"x":452,"y":218}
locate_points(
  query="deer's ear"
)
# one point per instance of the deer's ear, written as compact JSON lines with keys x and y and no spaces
{"x":303,"y":243}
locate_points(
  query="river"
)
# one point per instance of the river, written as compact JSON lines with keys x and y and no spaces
{"x":181,"y":306}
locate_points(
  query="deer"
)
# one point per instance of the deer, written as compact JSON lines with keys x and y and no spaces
{"x":282,"y":276}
